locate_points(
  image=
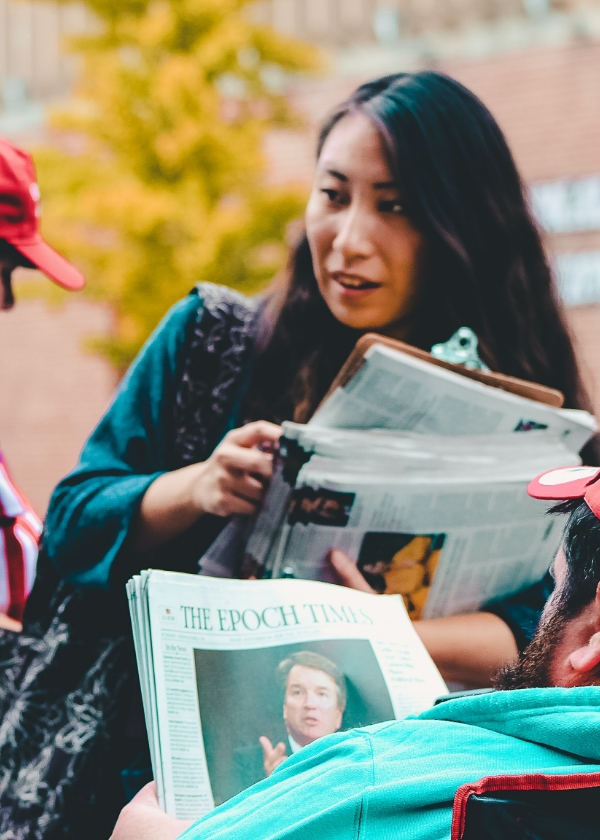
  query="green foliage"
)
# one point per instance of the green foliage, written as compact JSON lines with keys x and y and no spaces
{"x":173,"y":102}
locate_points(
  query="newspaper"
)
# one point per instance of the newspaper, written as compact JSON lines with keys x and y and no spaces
{"x":449,"y":528}
{"x":224,"y":663}
{"x":393,"y":390}
{"x":419,"y":475}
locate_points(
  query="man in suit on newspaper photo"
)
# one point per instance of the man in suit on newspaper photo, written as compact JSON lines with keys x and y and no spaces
{"x":313,"y":704}
{"x":314,"y":698}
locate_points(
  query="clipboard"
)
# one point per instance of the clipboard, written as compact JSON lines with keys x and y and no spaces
{"x":520,"y":387}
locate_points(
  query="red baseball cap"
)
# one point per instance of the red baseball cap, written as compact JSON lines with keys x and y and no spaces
{"x":19,"y":217}
{"x":569,"y":483}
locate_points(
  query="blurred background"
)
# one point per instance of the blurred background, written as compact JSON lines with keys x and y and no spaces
{"x":174,"y":143}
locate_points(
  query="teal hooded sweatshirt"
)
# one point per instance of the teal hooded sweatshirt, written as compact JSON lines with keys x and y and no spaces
{"x":398,"y":779}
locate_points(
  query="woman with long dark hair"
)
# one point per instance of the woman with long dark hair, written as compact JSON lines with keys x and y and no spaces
{"x":417,"y":225}
{"x":483,"y":264}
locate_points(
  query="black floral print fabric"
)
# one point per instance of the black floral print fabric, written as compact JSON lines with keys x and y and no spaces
{"x":67,"y":681}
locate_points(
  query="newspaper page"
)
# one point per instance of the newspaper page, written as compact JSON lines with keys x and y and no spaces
{"x":414,"y":402}
{"x":448,"y":528}
{"x":448,"y":547}
{"x":393,"y":390}
{"x":230,"y":669}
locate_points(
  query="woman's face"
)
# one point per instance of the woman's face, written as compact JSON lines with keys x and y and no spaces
{"x":365,"y":251}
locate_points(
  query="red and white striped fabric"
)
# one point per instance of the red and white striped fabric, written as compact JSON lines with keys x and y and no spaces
{"x":20,"y":530}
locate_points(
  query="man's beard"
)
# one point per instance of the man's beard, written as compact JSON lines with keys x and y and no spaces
{"x":532,"y":668}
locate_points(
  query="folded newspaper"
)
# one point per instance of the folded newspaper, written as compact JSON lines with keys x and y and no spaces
{"x":236,"y":675}
{"x":392,"y":390}
{"x":419,"y":474}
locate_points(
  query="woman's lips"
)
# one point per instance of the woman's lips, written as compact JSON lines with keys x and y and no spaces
{"x":351,"y":286}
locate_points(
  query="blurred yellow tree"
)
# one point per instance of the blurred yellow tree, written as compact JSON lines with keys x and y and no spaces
{"x":173,"y":102}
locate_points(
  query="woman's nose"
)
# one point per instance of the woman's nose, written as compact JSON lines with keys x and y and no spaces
{"x":353,"y":234}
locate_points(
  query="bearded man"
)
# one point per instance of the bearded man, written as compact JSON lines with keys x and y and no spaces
{"x":398,"y":779}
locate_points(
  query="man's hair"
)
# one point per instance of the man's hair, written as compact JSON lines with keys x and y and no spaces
{"x":9,"y":252}
{"x":309,"y":659}
{"x":581,"y":545}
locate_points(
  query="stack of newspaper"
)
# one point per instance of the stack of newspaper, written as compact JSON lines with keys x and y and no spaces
{"x":232,"y":670}
{"x":419,"y":474}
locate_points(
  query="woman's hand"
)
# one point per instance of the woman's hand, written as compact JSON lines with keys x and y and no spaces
{"x":347,"y":572}
{"x":142,"y":819}
{"x":235,"y":477}
{"x":233,"y":480}
{"x":467,"y":649}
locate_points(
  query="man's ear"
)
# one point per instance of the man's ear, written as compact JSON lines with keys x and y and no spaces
{"x":586,"y":658}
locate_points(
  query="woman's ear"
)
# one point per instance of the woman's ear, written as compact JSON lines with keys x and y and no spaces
{"x":586,"y":658}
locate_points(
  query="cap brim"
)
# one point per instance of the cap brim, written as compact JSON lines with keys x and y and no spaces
{"x":52,"y":264}
{"x":564,"y":483}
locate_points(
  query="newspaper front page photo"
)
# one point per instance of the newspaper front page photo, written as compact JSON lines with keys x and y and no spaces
{"x":237,"y":669}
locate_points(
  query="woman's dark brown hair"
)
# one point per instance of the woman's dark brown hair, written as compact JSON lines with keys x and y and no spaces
{"x":485,"y":266}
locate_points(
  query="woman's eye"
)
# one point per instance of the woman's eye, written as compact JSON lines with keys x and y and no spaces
{"x":393,"y":206}
{"x":335,"y":196}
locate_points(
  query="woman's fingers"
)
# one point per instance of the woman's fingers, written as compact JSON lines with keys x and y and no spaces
{"x":347,"y":572}
{"x":244,"y":486}
{"x":242,"y":482}
{"x":254,"y":434}
{"x":224,"y":492}
{"x":237,"y":504}
{"x":250,"y":487}
{"x":235,"y":477}
{"x":233,"y":457}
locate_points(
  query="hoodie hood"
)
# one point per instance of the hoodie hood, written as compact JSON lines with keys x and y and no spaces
{"x":565,"y":719}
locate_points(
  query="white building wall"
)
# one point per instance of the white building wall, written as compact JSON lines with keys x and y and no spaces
{"x":34,"y":64}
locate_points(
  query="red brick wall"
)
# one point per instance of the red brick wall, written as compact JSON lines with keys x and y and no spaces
{"x":548,"y":103}
{"x":52,"y":391}
{"x":585,"y":327}
{"x":546,"y":100}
